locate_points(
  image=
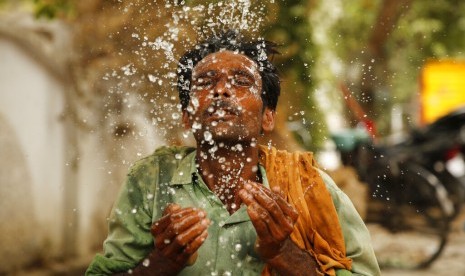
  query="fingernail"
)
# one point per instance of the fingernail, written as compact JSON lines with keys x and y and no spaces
{"x":247,"y":186}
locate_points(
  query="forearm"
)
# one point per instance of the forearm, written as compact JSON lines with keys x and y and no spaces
{"x":293,"y":261}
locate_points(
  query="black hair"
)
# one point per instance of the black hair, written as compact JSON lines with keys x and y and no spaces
{"x":258,"y":50}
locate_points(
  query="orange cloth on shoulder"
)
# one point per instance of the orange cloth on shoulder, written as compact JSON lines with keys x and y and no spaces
{"x":317,"y":229}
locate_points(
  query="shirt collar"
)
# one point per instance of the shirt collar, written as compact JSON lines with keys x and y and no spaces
{"x":183,"y":173}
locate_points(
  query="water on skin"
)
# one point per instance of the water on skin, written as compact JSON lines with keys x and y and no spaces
{"x":203,"y":19}
{"x":221,"y":15}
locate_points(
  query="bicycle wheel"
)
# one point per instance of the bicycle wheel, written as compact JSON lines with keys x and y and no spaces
{"x":455,"y":189}
{"x":411,"y":230}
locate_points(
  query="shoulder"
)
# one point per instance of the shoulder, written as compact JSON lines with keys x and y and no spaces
{"x":329,"y":182}
{"x":338,"y":196}
{"x":162,"y":156}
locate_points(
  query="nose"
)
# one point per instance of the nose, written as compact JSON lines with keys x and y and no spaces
{"x":222,"y":88}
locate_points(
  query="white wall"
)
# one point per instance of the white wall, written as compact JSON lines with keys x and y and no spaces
{"x":31,"y":102}
{"x":32,"y":105}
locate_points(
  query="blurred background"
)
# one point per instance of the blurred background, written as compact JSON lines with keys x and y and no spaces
{"x":375,"y":88}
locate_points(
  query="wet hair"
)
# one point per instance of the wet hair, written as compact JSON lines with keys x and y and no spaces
{"x":259,"y":51}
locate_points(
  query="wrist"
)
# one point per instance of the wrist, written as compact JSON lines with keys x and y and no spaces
{"x":291,"y":260}
{"x":156,"y":264}
{"x":281,"y":254}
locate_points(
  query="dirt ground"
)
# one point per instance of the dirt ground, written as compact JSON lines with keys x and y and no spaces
{"x":450,"y":262}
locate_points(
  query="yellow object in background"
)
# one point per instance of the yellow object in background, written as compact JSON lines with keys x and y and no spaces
{"x":442,"y":88}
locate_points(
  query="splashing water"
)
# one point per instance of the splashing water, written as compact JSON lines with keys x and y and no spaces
{"x":153,"y":45}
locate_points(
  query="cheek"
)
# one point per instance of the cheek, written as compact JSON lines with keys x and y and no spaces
{"x":252,"y":114}
{"x":197,"y":101}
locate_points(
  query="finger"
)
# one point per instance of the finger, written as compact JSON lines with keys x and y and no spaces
{"x":271,"y":201}
{"x":171,"y":208}
{"x":260,"y":220}
{"x":192,"y":233}
{"x":190,"y":251}
{"x":246,"y":196}
{"x":277,"y":190}
{"x":279,"y":225}
{"x":178,"y":227}
{"x":176,"y":247}
{"x":254,"y":214}
{"x":192,"y":258}
{"x":196,"y":243}
{"x":267,"y":200}
{"x":287,"y":208}
{"x":159,"y":226}
{"x":278,"y":196}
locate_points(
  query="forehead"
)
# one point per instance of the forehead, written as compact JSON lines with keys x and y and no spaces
{"x":226,"y":59}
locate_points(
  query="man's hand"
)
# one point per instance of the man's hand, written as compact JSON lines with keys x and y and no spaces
{"x":178,"y":235}
{"x":272,"y":217}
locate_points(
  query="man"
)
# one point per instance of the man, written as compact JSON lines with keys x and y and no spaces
{"x":210,"y":210}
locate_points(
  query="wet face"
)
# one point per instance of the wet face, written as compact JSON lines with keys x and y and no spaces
{"x":225,"y":103}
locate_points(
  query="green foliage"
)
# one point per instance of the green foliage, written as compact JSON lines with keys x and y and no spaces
{"x":51,"y":9}
{"x":293,"y":31}
{"x":353,"y":28}
{"x":432,"y":30}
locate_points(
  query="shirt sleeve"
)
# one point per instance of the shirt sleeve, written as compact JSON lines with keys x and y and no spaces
{"x":129,"y":240}
{"x":356,"y":236}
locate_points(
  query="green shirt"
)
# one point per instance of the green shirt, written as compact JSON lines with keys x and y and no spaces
{"x":170,"y":175}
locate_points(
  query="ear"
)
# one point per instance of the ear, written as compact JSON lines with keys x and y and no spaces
{"x":185,"y":120}
{"x":268,"y":120}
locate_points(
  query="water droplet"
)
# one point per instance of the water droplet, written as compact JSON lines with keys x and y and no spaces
{"x":207,"y":136}
{"x":195,"y":102}
{"x":146,"y":262}
{"x":175,"y":116}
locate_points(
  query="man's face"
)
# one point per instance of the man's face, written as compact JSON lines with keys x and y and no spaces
{"x":226,"y":104}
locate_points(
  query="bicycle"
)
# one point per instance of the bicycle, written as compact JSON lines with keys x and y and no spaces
{"x":408,"y":202}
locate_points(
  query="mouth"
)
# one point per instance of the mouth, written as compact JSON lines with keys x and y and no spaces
{"x":222,"y":111}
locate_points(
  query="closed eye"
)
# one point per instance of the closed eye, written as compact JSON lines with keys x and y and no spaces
{"x":239,"y":80}
{"x":202,"y":83}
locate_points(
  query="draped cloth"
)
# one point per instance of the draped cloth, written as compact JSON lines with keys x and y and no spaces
{"x":317,"y":229}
